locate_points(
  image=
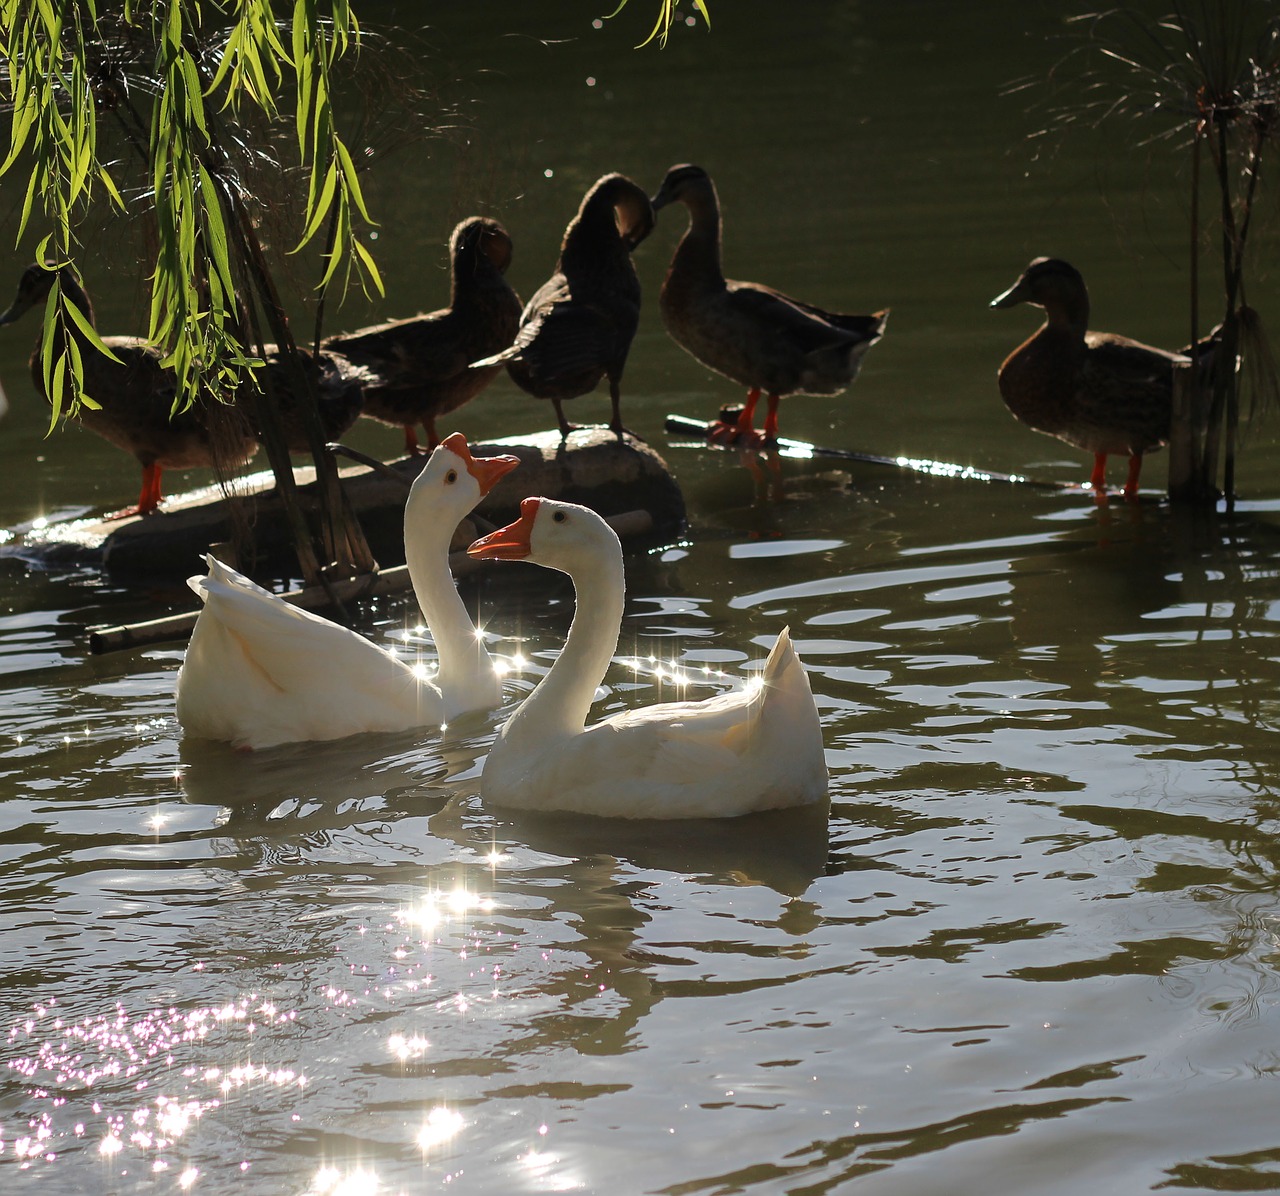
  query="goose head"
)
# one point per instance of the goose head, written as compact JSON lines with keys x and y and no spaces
{"x":1048,"y":282}
{"x":557,"y":535}
{"x":453,"y":481}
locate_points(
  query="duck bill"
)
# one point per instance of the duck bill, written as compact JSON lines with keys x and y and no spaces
{"x":1010,"y":298}
{"x":487,"y":471}
{"x":510,"y":543}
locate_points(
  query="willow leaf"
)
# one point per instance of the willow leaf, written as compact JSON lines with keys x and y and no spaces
{"x":89,"y":332}
{"x":323,"y":203}
{"x":49,"y":329}
{"x":57,"y":388}
{"x":370,"y":265}
{"x":342,"y":234}
{"x":352,"y":179}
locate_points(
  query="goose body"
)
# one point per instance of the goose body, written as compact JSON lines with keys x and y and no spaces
{"x":1097,"y":391}
{"x":420,"y":367}
{"x":578,"y":326}
{"x":259,"y":671}
{"x":756,"y":336}
{"x":755,"y":749}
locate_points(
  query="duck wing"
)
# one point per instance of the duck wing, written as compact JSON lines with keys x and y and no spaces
{"x":1124,"y":384}
{"x":407,"y":353}
{"x":808,"y":329}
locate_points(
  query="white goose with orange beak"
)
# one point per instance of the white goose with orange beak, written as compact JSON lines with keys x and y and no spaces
{"x":259,"y":671}
{"x":758,"y":748}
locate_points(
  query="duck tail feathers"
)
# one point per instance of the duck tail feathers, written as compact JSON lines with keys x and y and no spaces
{"x":510,"y":354}
{"x":783,"y":673}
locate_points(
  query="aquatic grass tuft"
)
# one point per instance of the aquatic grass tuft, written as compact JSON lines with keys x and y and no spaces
{"x":1206,"y":77}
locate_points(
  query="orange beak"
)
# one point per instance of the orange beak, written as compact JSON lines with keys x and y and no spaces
{"x":487,"y":471}
{"x":510,"y":543}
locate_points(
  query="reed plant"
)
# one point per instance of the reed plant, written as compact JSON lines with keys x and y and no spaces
{"x":1204,"y":76}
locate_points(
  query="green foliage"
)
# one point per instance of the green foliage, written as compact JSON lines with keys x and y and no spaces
{"x":202,"y":63}
{"x":666,"y":16}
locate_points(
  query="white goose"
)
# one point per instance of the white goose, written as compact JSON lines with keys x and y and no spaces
{"x":259,"y":671}
{"x":758,"y":748}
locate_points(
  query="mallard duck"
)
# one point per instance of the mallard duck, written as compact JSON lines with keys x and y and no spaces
{"x":136,"y":396}
{"x":339,"y":390}
{"x":1097,"y":391}
{"x":760,"y":338}
{"x":259,"y":671}
{"x":419,"y":367}
{"x":759,"y":748}
{"x":579,"y":325}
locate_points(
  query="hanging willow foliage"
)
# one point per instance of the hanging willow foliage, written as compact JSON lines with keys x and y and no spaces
{"x":666,"y":18}
{"x":189,"y":85}
{"x":163,"y":70}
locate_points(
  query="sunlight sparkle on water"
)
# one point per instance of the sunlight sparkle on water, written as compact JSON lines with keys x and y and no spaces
{"x":437,"y":908}
{"x":514,"y":664}
{"x":404,"y":1048}
{"x":440,"y":1126}
{"x":329,"y":1181}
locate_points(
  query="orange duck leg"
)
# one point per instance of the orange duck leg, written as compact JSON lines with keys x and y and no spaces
{"x":1131,"y":482}
{"x":149,"y":497}
{"x":1098,"y":479}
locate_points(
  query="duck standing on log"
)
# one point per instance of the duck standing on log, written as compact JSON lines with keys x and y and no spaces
{"x":579,"y":325}
{"x":758,"y":337}
{"x":420,"y":367}
{"x":1097,"y":391}
{"x":134,"y":396}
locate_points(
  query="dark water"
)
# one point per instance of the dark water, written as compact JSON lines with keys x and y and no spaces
{"x":1033,"y":948}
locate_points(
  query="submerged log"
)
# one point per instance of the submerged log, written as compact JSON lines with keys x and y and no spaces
{"x":628,"y":525}
{"x":591,"y":467}
{"x":701,"y":429}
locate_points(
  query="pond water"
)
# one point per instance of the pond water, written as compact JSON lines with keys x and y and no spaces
{"x":1033,"y":945}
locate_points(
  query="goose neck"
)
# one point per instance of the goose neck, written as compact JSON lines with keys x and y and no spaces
{"x":466,"y":676}
{"x":562,"y":701}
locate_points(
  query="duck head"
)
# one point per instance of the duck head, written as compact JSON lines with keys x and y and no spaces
{"x":34,"y":286}
{"x":683,"y":184}
{"x":479,"y":235}
{"x":632,"y":211}
{"x":1047,"y":282}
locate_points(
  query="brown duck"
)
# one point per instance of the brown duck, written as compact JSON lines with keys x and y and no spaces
{"x":1100,"y":392}
{"x":762,"y":339}
{"x":420,"y":367}
{"x":579,"y":325}
{"x":136,"y":396}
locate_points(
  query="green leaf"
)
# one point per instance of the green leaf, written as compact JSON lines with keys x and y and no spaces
{"x":370,"y":265}
{"x":320,"y":209}
{"x":57,"y":389}
{"x":48,"y":332}
{"x":352,"y":179}
{"x":89,"y":332}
